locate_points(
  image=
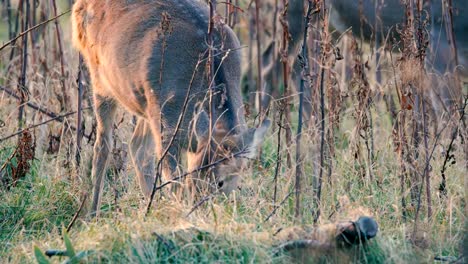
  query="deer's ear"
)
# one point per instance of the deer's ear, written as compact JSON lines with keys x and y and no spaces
{"x":200,"y":130}
{"x":253,"y":139}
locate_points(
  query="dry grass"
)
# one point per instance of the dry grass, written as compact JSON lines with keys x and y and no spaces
{"x":224,"y":229}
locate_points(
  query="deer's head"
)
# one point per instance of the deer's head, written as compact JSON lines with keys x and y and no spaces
{"x":224,"y":155}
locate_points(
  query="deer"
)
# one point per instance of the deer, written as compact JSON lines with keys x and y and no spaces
{"x":149,"y":57}
{"x":383,"y":16}
{"x":345,"y":15}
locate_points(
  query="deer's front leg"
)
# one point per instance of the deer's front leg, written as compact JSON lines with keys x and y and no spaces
{"x":164,"y":148}
{"x":142,"y":149}
{"x":105,"y":112}
{"x":170,"y":162}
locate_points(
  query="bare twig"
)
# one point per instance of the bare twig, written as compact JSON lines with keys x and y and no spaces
{"x":277,"y":207}
{"x":204,"y":167}
{"x":79,"y":121}
{"x":210,"y":65}
{"x":177,"y":127}
{"x":278,"y":154}
{"x":426,"y":168}
{"x":284,"y":57}
{"x":75,"y":216}
{"x":13,"y":40}
{"x":202,"y":201}
{"x":55,"y":253}
{"x":32,"y":105}
{"x":281,"y":108}
{"x":40,"y":124}
{"x":304,"y":76}
{"x":318,"y":191}
{"x":64,"y":99}
{"x":259,"y":61}
{"x":10,"y":26}
{"x":448,"y":157}
{"x":250,"y":75}
{"x":54,"y":116}
{"x":8,"y":161}
{"x":22,"y":89}
{"x":164,"y":241}
{"x":12,"y":51}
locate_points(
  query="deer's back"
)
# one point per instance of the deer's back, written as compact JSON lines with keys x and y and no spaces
{"x":141,"y":51}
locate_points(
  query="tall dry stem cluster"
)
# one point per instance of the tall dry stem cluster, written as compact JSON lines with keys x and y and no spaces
{"x":412,"y":147}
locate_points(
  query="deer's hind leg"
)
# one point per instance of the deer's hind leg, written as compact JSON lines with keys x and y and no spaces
{"x":105,"y":112}
{"x":142,"y":151}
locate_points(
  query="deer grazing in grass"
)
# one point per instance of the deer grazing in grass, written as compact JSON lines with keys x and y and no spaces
{"x":149,"y":57}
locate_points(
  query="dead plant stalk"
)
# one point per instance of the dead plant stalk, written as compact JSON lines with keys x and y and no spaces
{"x":305,"y":79}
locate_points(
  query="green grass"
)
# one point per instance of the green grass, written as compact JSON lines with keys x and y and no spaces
{"x":223,"y":230}
{"x":37,"y":206}
{"x":228,"y":230}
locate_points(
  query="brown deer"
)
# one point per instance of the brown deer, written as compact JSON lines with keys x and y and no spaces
{"x":149,"y":57}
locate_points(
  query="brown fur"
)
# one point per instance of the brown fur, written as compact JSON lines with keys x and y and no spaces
{"x":143,"y":55}
{"x":306,"y":243}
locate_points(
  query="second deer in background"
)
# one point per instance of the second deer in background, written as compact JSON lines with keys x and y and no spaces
{"x":378,"y":18}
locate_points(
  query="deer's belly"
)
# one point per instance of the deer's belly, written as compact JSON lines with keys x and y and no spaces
{"x":128,"y":92}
